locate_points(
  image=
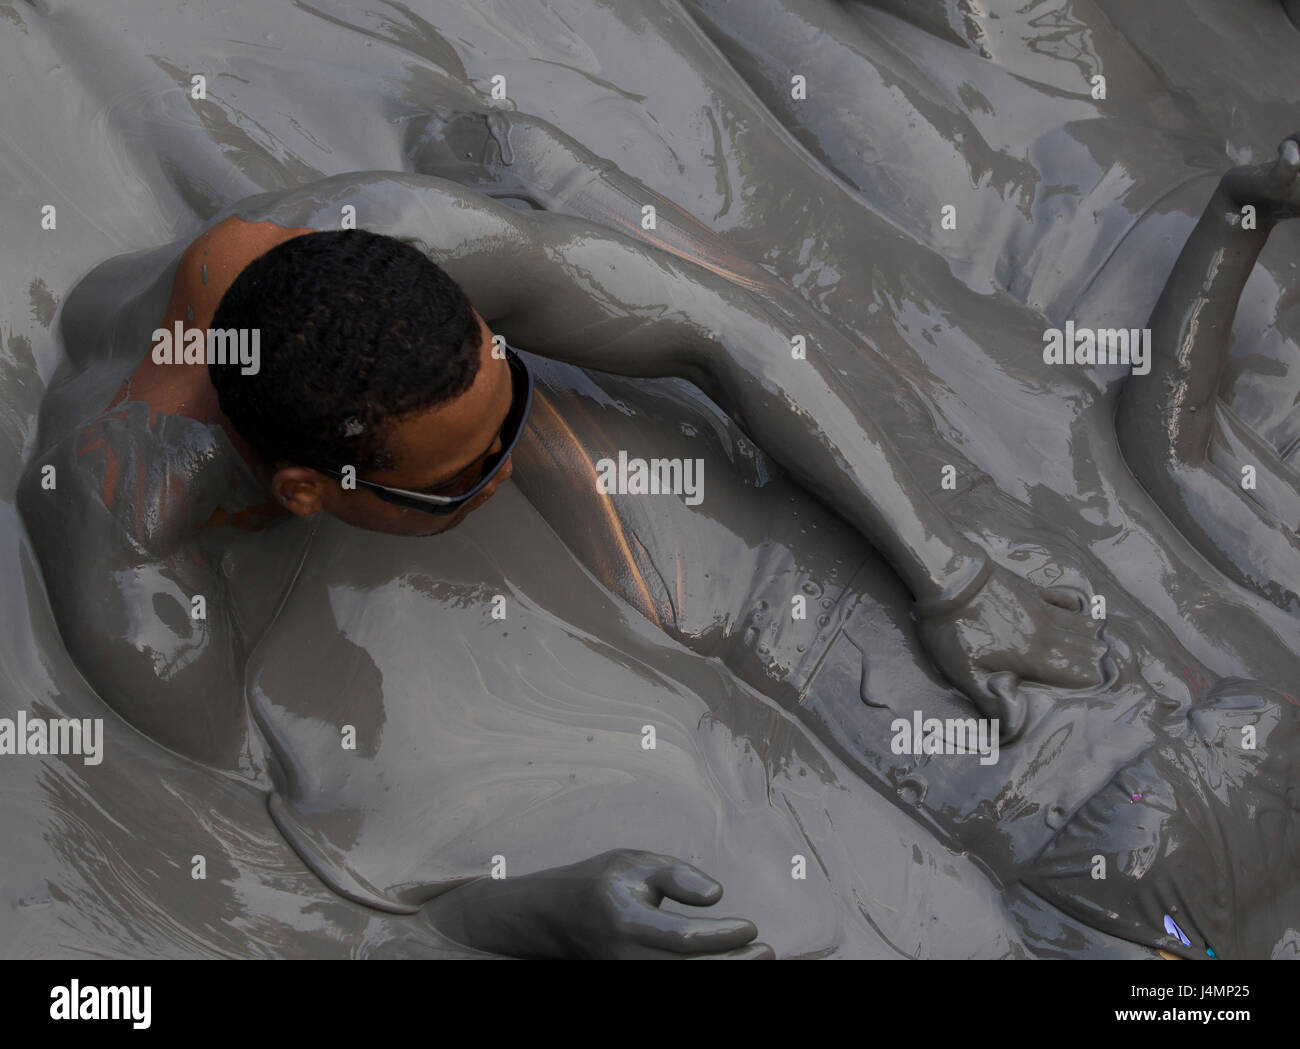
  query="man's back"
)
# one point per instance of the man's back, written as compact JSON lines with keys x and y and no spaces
{"x":122,"y":513}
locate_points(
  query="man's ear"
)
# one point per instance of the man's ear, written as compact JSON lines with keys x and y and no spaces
{"x":299,"y":489}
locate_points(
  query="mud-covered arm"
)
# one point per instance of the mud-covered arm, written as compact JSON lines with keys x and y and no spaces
{"x":110,"y":511}
{"x":1178,"y":442}
{"x":597,"y":298}
{"x":617,"y":306}
{"x":1165,"y":417}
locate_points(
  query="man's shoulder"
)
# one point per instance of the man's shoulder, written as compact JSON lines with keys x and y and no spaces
{"x":156,"y":476}
{"x":113,"y":511}
{"x":218,"y":256}
{"x":206,"y":270}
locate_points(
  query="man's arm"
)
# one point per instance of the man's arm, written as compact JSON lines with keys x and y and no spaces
{"x":1165,"y":419}
{"x":598,"y":299}
{"x":110,"y":532}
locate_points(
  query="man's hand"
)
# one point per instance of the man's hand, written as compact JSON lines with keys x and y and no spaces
{"x":1274,"y":189}
{"x":604,"y":907}
{"x":1009,"y":630}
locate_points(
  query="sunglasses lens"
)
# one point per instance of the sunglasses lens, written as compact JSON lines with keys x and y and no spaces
{"x":521,"y":402}
{"x":511,"y":430}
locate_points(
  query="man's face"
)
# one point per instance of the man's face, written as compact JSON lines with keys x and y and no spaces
{"x":439,"y":451}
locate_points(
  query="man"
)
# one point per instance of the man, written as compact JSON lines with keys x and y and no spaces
{"x":440,"y":377}
{"x":304,"y":447}
{"x":172,"y":645}
{"x":349,"y":321}
{"x":618,"y":324}
{"x":408,"y":474}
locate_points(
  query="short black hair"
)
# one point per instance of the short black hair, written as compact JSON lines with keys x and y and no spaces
{"x":357,"y":330}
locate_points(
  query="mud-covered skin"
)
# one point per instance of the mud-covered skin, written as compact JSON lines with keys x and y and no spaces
{"x":554,"y":303}
{"x":122,"y":543}
{"x":1215,"y":478}
{"x":604,"y":907}
{"x":852,"y":677}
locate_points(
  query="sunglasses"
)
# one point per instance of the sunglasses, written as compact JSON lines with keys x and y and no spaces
{"x":521,"y":381}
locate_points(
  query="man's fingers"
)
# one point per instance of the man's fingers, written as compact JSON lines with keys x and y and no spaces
{"x":1007,"y":705}
{"x":1067,"y":597}
{"x":1289,"y":152}
{"x":685,"y":883}
{"x":1284,"y":172}
{"x":1074,"y":632}
{"x":1065,"y":652}
{"x":652,"y":927}
{"x":1076,"y":664}
{"x":654,"y":877}
{"x":752,"y":952}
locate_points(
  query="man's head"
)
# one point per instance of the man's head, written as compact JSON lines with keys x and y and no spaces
{"x":371,"y":357}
